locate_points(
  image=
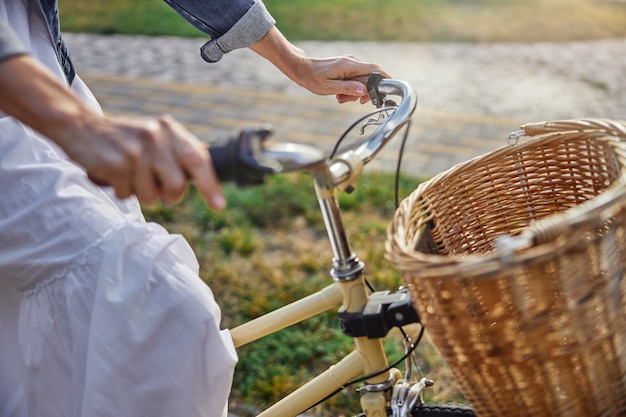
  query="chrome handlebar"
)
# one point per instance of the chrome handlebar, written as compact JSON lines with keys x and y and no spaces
{"x":246,"y":159}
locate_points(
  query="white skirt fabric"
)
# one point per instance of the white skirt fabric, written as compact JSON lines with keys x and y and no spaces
{"x":101,"y":314}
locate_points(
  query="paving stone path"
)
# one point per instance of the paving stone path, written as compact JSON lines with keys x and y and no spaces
{"x":470,"y":95}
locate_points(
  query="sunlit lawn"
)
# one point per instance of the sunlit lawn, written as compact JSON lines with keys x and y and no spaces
{"x":404,"y":20}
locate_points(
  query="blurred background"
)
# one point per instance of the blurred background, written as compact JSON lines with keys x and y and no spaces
{"x":480,"y":67}
{"x":391,"y":20}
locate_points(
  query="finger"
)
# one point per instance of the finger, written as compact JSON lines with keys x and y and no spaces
{"x":169,"y":174}
{"x":358,"y":70}
{"x":144,"y":183}
{"x":343,"y":98}
{"x":117,"y":176}
{"x":145,"y":159}
{"x":382,"y":72}
{"x":170,"y":178}
{"x":349,"y":88}
{"x":98,"y":181}
{"x":195,"y":162}
{"x":363,"y":79}
{"x":200,"y":168}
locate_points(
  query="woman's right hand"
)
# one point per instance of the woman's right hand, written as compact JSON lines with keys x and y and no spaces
{"x":151,"y":158}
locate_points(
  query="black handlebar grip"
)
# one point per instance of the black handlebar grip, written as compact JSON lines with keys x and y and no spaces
{"x":239,"y":159}
{"x":224,"y":159}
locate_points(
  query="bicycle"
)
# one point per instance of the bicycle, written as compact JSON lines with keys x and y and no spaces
{"x":364,"y":315}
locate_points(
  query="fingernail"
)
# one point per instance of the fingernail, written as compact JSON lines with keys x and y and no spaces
{"x":360,"y":90}
{"x":218,"y":202}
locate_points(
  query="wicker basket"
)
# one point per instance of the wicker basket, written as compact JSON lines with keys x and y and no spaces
{"x":515,"y":261}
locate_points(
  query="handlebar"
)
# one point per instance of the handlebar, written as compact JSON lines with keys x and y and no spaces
{"x":246,"y":159}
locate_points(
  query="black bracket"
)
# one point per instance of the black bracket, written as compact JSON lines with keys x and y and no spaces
{"x":376,"y":96}
{"x":384,"y":311}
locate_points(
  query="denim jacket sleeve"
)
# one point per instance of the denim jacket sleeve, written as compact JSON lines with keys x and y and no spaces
{"x":10,"y":44}
{"x":231,"y":24}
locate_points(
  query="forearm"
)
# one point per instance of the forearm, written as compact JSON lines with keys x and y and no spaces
{"x":275,"y":48}
{"x":31,"y":94}
{"x":151,"y":158}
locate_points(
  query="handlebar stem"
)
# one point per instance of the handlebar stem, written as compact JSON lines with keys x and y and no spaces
{"x":346,"y":266}
{"x":345,"y":168}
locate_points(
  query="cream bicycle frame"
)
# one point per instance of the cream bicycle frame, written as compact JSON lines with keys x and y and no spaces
{"x":368,"y":356}
{"x":348,"y":290}
{"x":351,"y":293}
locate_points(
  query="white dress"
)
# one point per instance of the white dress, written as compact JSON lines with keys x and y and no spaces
{"x":101,"y":313}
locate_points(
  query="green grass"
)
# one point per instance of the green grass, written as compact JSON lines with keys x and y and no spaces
{"x":401,"y":20}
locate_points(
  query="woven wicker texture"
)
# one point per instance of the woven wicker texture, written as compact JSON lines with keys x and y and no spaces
{"x":515,"y":261}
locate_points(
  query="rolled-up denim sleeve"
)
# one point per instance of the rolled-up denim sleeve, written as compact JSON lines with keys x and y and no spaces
{"x":10,"y":44}
{"x":231,"y":24}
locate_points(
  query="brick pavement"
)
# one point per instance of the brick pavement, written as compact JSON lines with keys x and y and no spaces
{"x":470,"y":95}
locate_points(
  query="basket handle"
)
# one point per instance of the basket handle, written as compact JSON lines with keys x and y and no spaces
{"x":611,"y":127}
{"x":604,"y":206}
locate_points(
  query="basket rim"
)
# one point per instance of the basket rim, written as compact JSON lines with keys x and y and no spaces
{"x":520,"y":249}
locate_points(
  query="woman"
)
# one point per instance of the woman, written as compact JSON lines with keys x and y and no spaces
{"x":100,"y":312}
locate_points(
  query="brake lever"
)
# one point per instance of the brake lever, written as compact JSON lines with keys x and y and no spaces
{"x":378,"y":99}
{"x":376,"y":96}
{"x":383,"y":115}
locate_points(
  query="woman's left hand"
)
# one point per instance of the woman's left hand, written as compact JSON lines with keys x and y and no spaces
{"x":344,"y":76}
